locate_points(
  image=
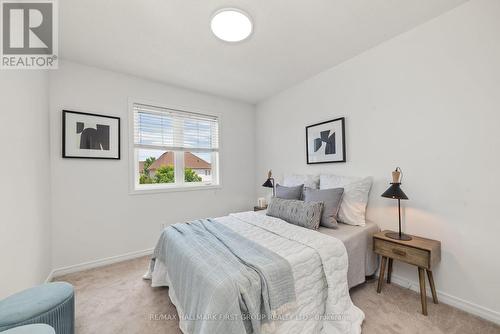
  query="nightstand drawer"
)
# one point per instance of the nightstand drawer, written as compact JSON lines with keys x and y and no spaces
{"x":403,"y":253}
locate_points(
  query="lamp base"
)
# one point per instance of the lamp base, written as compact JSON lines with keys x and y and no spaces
{"x":396,"y":236}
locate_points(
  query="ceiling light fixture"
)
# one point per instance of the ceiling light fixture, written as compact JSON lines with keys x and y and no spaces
{"x":231,"y":25}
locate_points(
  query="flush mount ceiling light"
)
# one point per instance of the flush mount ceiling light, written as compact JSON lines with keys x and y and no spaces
{"x":231,"y":25}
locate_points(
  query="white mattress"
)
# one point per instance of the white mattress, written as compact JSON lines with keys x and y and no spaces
{"x":358,"y":242}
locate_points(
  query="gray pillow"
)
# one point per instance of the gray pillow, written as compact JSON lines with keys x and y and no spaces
{"x":296,"y":212}
{"x":289,"y":192}
{"x":331,"y":199}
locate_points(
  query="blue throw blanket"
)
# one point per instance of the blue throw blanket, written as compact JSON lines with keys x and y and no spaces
{"x":223,"y":282}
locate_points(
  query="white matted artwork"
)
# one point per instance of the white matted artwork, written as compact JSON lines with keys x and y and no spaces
{"x":90,"y":136}
{"x":325,"y":142}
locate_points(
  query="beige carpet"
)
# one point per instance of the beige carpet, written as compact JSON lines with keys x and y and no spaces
{"x":114,"y":299}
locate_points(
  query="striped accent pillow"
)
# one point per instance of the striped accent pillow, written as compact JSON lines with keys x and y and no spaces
{"x":300,"y":213}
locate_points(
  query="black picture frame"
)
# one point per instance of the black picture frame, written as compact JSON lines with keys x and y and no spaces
{"x":343,"y":146}
{"x":64,"y":131}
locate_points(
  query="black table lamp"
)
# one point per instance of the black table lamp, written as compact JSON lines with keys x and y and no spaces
{"x":270,"y":182}
{"x":396,"y":192}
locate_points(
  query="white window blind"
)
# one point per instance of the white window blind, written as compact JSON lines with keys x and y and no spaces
{"x":174,"y":130}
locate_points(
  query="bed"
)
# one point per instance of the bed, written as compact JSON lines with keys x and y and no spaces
{"x":363,"y":262}
{"x":320,"y":269}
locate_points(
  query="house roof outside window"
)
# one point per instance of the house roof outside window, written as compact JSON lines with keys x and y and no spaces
{"x":167,"y":159}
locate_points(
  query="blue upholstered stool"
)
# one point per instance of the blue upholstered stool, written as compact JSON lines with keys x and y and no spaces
{"x":31,"y":329}
{"x":52,"y":304}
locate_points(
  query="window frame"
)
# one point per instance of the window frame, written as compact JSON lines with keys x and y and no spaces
{"x":135,"y":188}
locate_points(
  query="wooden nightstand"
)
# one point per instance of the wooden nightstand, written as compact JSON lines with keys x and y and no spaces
{"x":420,"y":252}
{"x":258,"y":208}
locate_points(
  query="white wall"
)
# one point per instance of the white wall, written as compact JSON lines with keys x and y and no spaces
{"x":427,"y":101}
{"x":25,"y":256}
{"x":93,"y":214}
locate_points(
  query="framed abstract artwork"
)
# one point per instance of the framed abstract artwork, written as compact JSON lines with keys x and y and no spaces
{"x":90,"y":136}
{"x":325,"y":142}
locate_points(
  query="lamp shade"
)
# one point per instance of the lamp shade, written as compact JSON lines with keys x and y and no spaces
{"x":395,"y":192}
{"x":268,"y":184}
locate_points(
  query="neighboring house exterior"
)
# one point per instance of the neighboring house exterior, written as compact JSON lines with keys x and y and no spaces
{"x":141,"y":166}
{"x":198,"y":165}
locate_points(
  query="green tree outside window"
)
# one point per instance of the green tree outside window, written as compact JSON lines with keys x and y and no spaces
{"x":165,"y":174}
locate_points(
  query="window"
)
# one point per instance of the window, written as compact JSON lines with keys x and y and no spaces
{"x":174,"y":149}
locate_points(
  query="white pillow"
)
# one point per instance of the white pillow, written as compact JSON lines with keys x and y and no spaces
{"x":353,"y":206}
{"x":309,"y":181}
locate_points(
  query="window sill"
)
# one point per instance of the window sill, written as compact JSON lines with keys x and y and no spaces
{"x":152,"y":190}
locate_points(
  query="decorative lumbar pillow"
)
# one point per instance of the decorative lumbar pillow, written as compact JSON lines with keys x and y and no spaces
{"x":289,"y":192}
{"x":356,"y":190}
{"x":300,"y":213}
{"x":331,"y":199}
{"x":309,"y":181}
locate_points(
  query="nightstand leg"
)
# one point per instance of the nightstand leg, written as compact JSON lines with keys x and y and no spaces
{"x":389,"y":271}
{"x":433,"y":287}
{"x":423,"y":297}
{"x":381,"y":274}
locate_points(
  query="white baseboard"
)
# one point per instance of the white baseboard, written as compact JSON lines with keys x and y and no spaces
{"x":448,"y":299}
{"x":96,"y":263}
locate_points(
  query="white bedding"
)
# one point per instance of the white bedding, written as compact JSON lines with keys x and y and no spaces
{"x":319,"y":264}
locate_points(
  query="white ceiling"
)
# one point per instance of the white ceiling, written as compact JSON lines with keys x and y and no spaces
{"x":170,"y":40}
